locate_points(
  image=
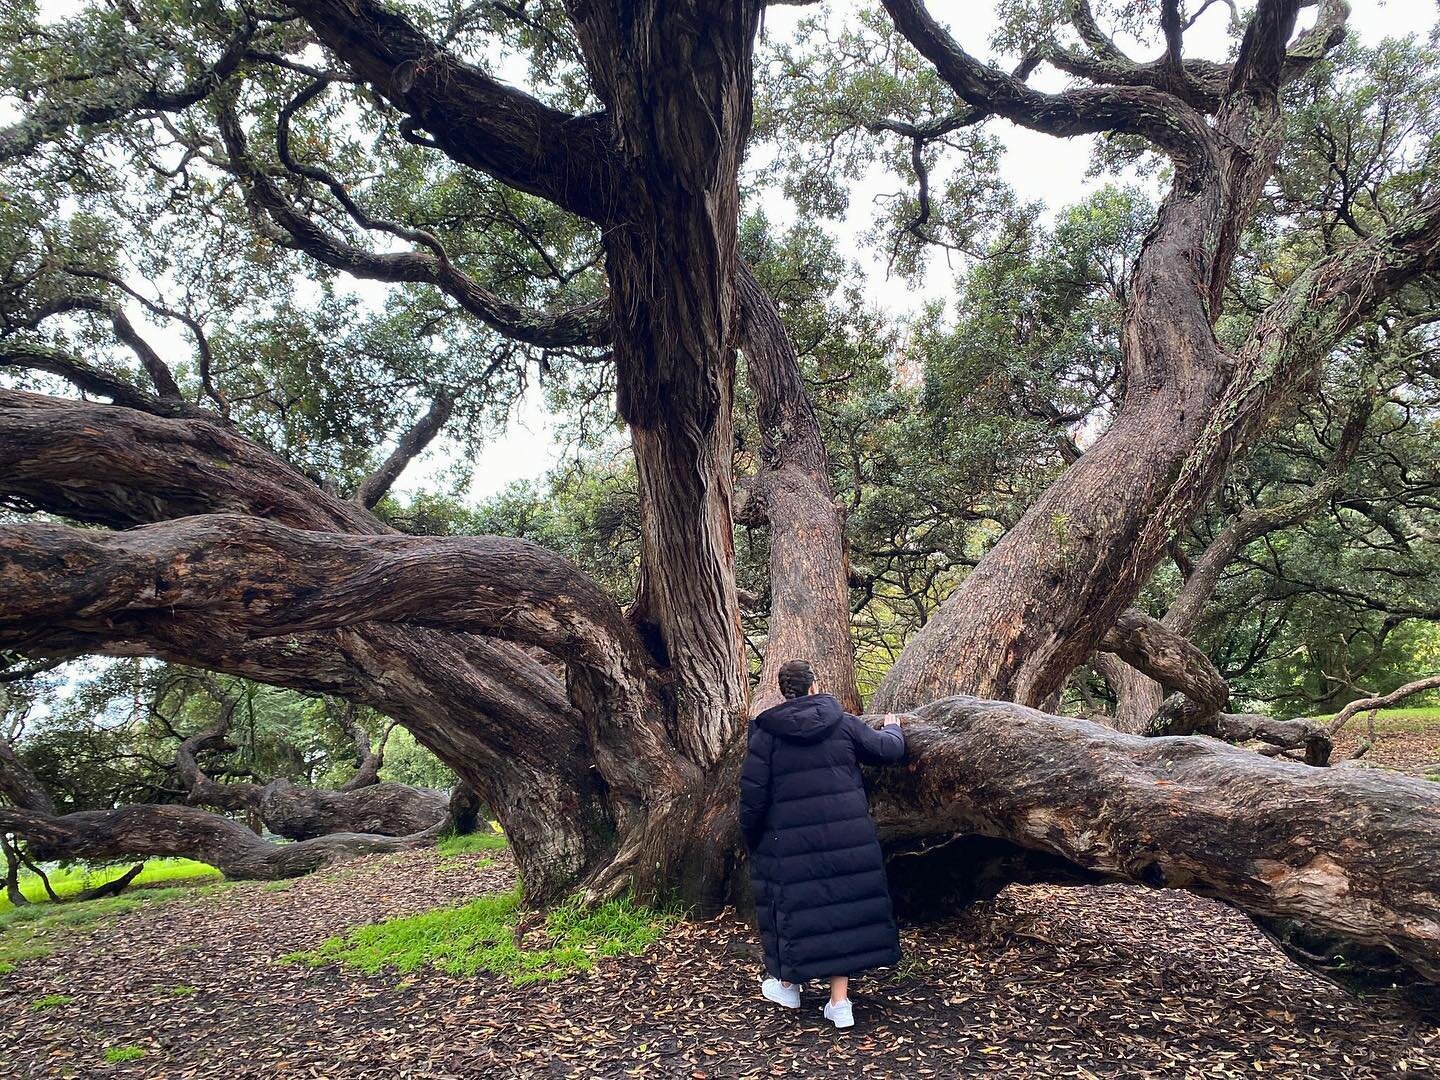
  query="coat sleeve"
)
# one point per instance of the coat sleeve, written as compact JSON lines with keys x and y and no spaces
{"x":883,"y":747}
{"x":755,"y":787}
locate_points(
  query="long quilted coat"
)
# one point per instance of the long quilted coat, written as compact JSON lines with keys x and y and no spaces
{"x":821,"y":896}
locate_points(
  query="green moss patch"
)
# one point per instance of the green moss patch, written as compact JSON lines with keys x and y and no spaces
{"x":481,"y":936}
{"x":471,"y":843}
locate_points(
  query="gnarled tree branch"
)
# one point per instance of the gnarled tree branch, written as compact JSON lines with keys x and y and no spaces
{"x":474,"y":119}
{"x":1164,"y":120}
{"x":1382,"y":701}
{"x":153,"y":830}
{"x":586,"y":325}
{"x":1339,"y":853}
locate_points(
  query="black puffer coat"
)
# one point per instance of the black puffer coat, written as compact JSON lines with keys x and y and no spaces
{"x":820,"y":889}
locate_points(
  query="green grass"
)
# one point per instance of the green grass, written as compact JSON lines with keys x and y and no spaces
{"x":1419,"y":718}
{"x":910,"y":967}
{"x":51,"y":1001}
{"x":28,"y":933}
{"x":181,"y":991}
{"x":480,"y":936}
{"x":68,"y":881}
{"x":471,"y":843}
{"x":116,"y":1054}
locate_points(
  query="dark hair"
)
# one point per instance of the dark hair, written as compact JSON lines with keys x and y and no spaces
{"x":796,"y":678}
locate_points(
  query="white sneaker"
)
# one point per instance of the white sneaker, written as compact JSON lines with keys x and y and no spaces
{"x":785,"y":996}
{"x":840,"y":1014}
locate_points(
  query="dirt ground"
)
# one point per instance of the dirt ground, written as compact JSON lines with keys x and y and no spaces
{"x":1094,"y":982}
{"x":1409,"y":748}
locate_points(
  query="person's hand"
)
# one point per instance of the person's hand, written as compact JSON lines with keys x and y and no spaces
{"x":891,"y":718}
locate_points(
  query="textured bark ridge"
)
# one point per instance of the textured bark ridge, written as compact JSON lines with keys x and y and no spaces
{"x":809,"y":568}
{"x":1344,"y":856}
{"x":1141,"y":650}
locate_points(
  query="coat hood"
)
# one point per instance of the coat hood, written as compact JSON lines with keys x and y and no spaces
{"x":803,"y":719}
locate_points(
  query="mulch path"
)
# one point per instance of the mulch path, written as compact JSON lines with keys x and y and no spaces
{"x":1094,"y":982}
{"x":1409,"y":751}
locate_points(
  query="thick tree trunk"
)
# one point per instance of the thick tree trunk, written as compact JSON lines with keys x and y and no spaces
{"x":809,"y":568}
{"x":1039,"y":602}
{"x":1184,"y":812}
{"x":677,"y":89}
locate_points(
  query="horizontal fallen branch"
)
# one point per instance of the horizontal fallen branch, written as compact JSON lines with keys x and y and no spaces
{"x":189,"y":832}
{"x":1349,"y":856}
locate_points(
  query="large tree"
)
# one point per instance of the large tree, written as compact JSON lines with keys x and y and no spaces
{"x":605,"y":739}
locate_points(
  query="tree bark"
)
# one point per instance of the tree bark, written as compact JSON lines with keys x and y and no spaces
{"x":677,"y":89}
{"x":1041,"y":599}
{"x":114,"y":886}
{"x":192,"y":833}
{"x":186,"y":831}
{"x":809,"y":568}
{"x":1345,"y":853}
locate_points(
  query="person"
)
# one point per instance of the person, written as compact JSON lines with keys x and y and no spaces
{"x":821,"y":896}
